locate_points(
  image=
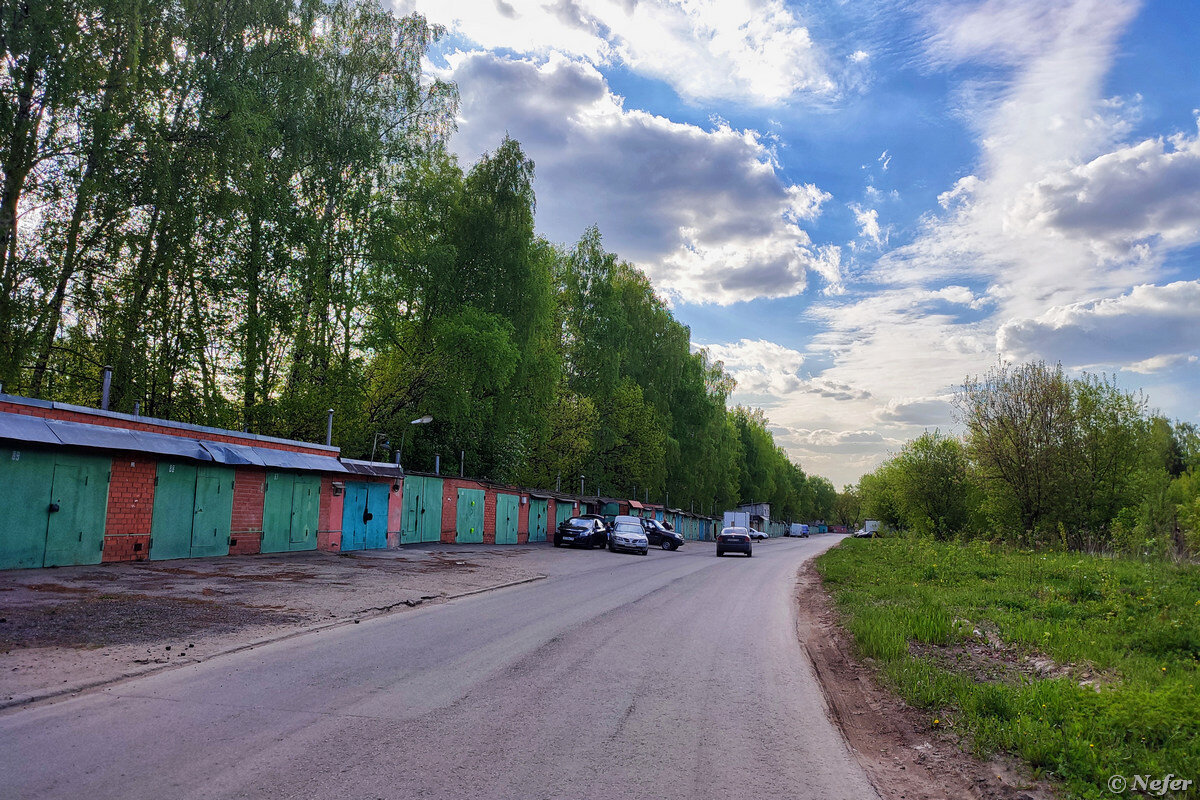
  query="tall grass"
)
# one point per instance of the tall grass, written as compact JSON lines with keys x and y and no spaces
{"x":1126,"y":635}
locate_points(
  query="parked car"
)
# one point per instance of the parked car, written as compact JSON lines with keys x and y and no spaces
{"x":581,"y":532}
{"x":759,"y":535}
{"x":607,"y":521}
{"x":627,"y":534}
{"x":659,"y":535}
{"x":734,"y":540}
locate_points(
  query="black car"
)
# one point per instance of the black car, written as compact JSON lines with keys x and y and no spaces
{"x":581,"y":532}
{"x":734,"y":540}
{"x":661,"y":536}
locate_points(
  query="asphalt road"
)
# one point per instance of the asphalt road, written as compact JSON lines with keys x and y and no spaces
{"x":676,"y":675}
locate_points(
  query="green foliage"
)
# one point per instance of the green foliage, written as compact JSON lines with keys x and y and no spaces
{"x":249,"y":211}
{"x":1125,"y":634}
{"x":1048,"y":461}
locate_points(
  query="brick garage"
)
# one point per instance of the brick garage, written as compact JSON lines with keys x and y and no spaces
{"x":132,"y":476}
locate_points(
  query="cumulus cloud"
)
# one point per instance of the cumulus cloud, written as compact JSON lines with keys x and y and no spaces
{"x":746,"y":51}
{"x":923,"y":411}
{"x":1142,"y":193}
{"x":1150,"y":328}
{"x":760,"y":367}
{"x":704,"y":211}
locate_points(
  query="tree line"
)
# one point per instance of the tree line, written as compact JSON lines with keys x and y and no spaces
{"x":248,"y":209}
{"x":1046,"y":460}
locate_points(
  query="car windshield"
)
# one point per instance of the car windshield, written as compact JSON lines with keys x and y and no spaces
{"x":627,"y":528}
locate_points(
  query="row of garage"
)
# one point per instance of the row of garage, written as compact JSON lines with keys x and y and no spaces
{"x":82,"y":486}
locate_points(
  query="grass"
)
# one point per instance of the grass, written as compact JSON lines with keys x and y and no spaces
{"x":920,"y":609}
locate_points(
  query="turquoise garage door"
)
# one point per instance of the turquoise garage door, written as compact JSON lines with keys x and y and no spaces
{"x":192,"y":510}
{"x":365,"y":516}
{"x":290,"y":508}
{"x":60,"y":518}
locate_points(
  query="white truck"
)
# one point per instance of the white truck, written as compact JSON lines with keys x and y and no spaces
{"x":737,"y":519}
{"x":870,"y":529}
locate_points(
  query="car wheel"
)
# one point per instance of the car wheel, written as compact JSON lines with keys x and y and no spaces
{"x":611,"y":548}
{"x":749,"y":554}
{"x":557,"y":543}
{"x":666,"y":545}
{"x":720,"y":553}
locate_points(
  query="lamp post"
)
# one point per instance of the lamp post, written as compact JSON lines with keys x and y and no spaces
{"x":375,"y":443}
{"x":425,"y":420}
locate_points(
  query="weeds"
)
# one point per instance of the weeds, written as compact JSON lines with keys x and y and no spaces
{"x":1125,"y":636}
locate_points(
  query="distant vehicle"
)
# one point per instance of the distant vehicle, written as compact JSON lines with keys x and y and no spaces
{"x":581,"y":532}
{"x":627,"y":534}
{"x":798,"y":529}
{"x":660,"y":535}
{"x":869,"y":529}
{"x":737,"y":519}
{"x":759,"y":535}
{"x":734,"y":539}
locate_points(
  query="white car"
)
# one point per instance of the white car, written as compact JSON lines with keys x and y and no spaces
{"x":627,"y":534}
{"x":759,"y":535}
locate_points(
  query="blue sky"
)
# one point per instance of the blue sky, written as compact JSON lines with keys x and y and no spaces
{"x":856,"y":205}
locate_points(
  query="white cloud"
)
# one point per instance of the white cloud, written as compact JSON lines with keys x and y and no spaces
{"x":1148,"y":329}
{"x":760,"y":367}
{"x":1142,"y":193}
{"x":924,"y":411}
{"x":868,"y":224}
{"x":745,"y":51}
{"x":704,"y":212}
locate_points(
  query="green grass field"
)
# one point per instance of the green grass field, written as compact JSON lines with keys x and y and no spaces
{"x":1084,"y":666}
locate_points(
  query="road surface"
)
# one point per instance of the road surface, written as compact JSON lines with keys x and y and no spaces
{"x":675,"y":675}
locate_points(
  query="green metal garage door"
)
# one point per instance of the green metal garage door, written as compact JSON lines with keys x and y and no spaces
{"x":192,"y":509}
{"x":34,"y":535}
{"x":421,"y":520}
{"x":563,"y":511}
{"x":507,"y":508}
{"x":290,"y":509}
{"x":537,"y":520}
{"x":469,"y":529}
{"x":365,"y":516}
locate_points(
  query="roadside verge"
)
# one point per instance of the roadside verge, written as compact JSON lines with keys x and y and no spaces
{"x":903,"y":757}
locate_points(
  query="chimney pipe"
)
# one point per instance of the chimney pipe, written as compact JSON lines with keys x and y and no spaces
{"x":107,"y":387}
{"x":329,"y":429}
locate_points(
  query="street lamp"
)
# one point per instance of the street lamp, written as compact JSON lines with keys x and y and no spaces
{"x":425,"y":420}
{"x":375,"y":443}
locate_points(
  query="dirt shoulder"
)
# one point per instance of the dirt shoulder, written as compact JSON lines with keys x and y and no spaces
{"x":68,"y":629}
{"x":905,"y":758}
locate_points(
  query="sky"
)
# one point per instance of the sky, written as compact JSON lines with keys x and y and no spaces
{"x":857,"y":205}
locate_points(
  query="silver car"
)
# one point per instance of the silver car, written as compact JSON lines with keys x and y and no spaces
{"x":627,"y":534}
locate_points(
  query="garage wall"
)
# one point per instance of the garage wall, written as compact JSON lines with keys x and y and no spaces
{"x":130,"y":509}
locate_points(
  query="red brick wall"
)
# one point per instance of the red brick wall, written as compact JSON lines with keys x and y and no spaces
{"x":489,"y":515}
{"x":450,"y":489}
{"x":523,"y":519}
{"x":329,"y":518}
{"x":395,"y":514}
{"x":249,"y":489}
{"x":130,"y":510}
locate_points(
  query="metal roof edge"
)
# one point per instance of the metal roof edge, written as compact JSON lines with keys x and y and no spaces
{"x":184,"y":426}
